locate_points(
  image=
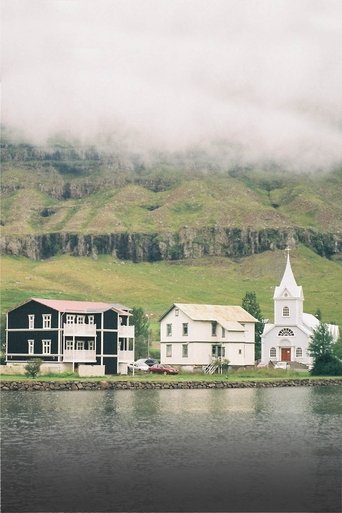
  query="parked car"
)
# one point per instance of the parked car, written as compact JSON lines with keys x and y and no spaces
{"x":139,"y":365}
{"x":159,"y":368}
{"x":143,"y":364}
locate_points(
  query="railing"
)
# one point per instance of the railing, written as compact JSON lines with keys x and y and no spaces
{"x":79,"y":330}
{"x":126,"y":356}
{"x":126,"y":331}
{"x":211,"y":369}
{"x":79,"y":355}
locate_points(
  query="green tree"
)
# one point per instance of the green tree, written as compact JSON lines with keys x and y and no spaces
{"x":250,"y":304}
{"x":337,"y":348}
{"x":142,"y":326}
{"x":322,"y":352}
{"x":318,"y":314}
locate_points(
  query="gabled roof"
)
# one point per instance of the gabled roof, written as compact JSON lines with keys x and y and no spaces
{"x":65,"y":305}
{"x":230,"y":317}
{"x":288,"y":284}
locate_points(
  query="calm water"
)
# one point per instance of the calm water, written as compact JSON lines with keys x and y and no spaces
{"x":173,"y":450}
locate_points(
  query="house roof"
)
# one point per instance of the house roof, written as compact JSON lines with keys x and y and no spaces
{"x":62,"y":305}
{"x":228,"y":316}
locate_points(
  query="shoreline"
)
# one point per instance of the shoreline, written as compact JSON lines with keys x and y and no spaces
{"x":84,"y":385}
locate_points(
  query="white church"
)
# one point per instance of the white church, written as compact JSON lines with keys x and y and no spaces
{"x":288,"y":338}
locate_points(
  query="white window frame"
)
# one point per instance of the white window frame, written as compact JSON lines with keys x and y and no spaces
{"x":46,"y":347}
{"x":185,"y":329}
{"x":218,"y":351}
{"x":214,"y":328}
{"x":31,"y":321}
{"x":70,"y":319}
{"x":80,"y":319}
{"x":286,"y":311}
{"x":69,"y":344}
{"x":169,"y":330}
{"x":286,"y":332}
{"x":79,"y":345}
{"x":46,"y":321}
{"x":185,"y":350}
{"x":273,"y":353}
{"x":299,"y":352}
{"x":91,"y":345}
{"x":91,"y":319}
{"x":30,"y":346}
{"x":168,"y":350}
{"x":176,"y":312}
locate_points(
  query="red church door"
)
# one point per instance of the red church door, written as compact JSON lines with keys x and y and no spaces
{"x":285,"y":354}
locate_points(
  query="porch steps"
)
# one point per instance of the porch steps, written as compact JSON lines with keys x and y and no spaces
{"x":211,"y":369}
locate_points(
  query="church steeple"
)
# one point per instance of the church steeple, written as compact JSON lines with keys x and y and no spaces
{"x":288,"y":298}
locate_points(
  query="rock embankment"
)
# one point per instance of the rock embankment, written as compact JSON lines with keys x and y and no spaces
{"x":48,"y":386}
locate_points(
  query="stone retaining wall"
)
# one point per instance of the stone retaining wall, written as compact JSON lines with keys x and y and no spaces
{"x":34,"y":385}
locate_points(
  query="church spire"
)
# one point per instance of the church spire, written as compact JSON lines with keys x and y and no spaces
{"x":288,"y":284}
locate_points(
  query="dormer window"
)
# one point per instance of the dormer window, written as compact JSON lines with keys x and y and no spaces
{"x":286,"y":311}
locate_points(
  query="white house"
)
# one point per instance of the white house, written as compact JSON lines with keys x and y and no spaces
{"x":288,"y":338}
{"x":194,"y":336}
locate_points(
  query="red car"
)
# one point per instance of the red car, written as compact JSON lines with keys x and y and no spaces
{"x":159,"y":368}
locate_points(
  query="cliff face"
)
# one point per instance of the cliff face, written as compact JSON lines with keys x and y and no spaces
{"x":187,"y":243}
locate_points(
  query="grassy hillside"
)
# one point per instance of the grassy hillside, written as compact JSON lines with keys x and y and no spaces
{"x":66,"y":188}
{"x":155,"y":286}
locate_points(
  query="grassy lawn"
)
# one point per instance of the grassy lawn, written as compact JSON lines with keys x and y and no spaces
{"x":234,"y":376}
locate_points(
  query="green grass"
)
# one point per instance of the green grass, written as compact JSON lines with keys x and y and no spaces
{"x":156,"y":286}
{"x":259,"y":375}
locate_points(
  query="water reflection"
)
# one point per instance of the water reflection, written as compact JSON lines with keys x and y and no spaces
{"x":172,"y":450}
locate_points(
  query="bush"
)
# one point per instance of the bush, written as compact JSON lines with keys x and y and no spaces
{"x":32,"y":368}
{"x":327,"y":365}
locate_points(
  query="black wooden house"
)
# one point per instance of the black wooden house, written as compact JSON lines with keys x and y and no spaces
{"x":65,"y":334}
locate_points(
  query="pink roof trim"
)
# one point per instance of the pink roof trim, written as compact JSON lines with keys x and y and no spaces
{"x":80,"y":306}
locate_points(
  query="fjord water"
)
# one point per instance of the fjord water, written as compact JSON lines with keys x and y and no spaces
{"x":271,"y":449}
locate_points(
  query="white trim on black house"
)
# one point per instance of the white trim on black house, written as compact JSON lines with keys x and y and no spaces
{"x":69,"y":333}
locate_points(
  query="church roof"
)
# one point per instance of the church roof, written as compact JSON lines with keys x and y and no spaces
{"x":288,"y":284}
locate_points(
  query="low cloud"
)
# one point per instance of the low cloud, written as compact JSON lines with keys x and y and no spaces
{"x":254,"y":79}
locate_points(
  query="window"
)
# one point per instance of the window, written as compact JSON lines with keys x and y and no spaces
{"x":185,"y":329}
{"x":31,"y":321}
{"x":286,"y":311}
{"x":286,"y":332}
{"x":299,"y":352}
{"x":70,"y":319}
{"x":168,"y":349}
{"x":169,"y":330}
{"x":90,"y":319}
{"x":240,"y":351}
{"x":273,"y":353}
{"x":69,"y":345}
{"x":80,"y":319}
{"x":176,"y":312}
{"x":91,"y":345}
{"x":46,"y":321}
{"x":185,"y":350}
{"x":217,"y":351}
{"x":213,"y":328}
{"x":46,"y":346}
{"x":30,"y":346}
{"x":80,"y":345}
{"x":223,"y":332}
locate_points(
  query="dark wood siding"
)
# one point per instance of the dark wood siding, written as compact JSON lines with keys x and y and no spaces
{"x":18,"y":318}
{"x":110,"y":342}
{"x":110,"y":365}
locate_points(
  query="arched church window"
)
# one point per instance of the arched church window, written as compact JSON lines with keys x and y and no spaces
{"x":273,"y":352}
{"x":286,"y":332}
{"x":286,"y":311}
{"x":299,"y":352}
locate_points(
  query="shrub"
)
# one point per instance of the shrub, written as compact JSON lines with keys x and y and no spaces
{"x":32,"y":368}
{"x":327,"y":365}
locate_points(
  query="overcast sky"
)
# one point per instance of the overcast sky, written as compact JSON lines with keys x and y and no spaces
{"x":261,"y":76}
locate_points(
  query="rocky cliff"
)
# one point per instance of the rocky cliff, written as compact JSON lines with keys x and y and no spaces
{"x":187,"y":243}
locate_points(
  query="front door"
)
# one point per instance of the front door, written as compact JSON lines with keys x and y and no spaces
{"x":285,"y":354}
